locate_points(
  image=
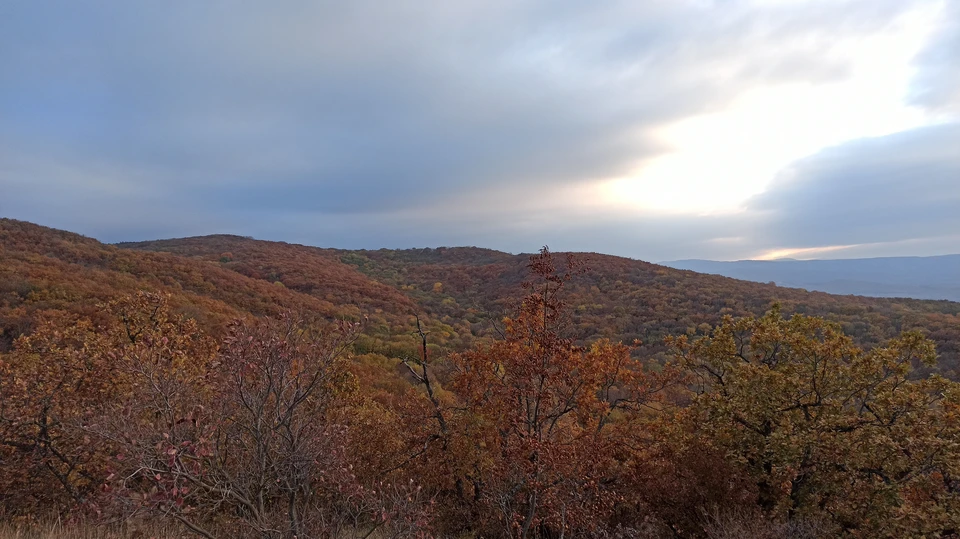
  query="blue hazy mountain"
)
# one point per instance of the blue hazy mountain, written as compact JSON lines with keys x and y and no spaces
{"x":930,"y":277}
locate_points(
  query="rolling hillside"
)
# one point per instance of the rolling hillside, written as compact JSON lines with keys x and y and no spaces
{"x":43,"y":270}
{"x":461,"y":293}
{"x":465,"y":291}
{"x":662,"y":443}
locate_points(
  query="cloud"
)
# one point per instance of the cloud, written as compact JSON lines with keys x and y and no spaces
{"x":937,"y":85}
{"x":387,"y":124}
{"x":899,"y":188}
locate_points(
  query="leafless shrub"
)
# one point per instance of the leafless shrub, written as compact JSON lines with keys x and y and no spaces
{"x":253,"y":442}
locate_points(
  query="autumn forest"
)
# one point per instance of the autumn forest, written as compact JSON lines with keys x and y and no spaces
{"x":222,"y":386}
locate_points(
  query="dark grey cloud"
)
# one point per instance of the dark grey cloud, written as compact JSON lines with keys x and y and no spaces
{"x":388,"y":124}
{"x":899,"y":188}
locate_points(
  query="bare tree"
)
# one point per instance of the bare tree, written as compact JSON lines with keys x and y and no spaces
{"x":256,"y":441}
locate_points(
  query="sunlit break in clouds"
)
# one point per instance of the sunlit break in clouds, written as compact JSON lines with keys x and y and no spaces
{"x":717,"y":161}
{"x":655,"y":129}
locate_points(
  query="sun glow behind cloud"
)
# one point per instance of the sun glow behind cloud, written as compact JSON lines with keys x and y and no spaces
{"x":808,"y":253}
{"x":719,"y":160}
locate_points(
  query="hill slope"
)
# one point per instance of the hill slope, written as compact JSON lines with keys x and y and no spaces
{"x":933,"y":277}
{"x":393,"y":433}
{"x":44,"y":270}
{"x":460,"y":293}
{"x":465,"y":291}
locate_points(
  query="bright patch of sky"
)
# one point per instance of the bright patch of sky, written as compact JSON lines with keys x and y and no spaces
{"x":717,"y":161}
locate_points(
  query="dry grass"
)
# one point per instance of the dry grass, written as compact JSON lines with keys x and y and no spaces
{"x":745,"y":526}
{"x":80,"y":530}
{"x":83,"y":530}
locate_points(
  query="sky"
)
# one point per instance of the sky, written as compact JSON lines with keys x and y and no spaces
{"x":652,"y":129}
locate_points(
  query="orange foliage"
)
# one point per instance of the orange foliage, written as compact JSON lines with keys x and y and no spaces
{"x":544,"y":424}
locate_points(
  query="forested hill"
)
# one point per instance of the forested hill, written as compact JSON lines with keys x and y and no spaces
{"x":138,"y":374}
{"x":46,"y":272}
{"x":462,"y":292}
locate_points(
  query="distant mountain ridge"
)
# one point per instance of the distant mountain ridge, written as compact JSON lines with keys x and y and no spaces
{"x":930,"y":277}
